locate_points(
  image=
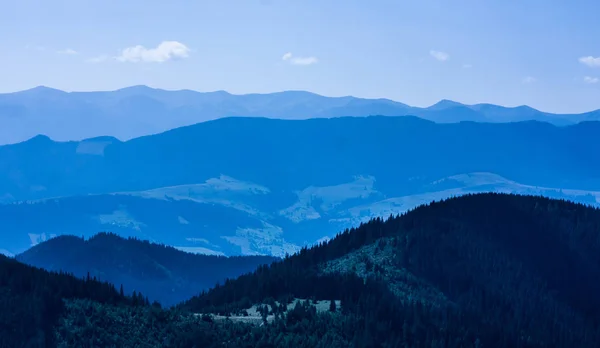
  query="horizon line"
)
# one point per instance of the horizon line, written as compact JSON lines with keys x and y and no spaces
{"x":293,"y":91}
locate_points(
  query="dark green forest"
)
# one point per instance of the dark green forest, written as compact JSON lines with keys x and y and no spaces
{"x":517,"y":272}
{"x":485,"y":270}
{"x":32,"y":301}
{"x":163,"y":273}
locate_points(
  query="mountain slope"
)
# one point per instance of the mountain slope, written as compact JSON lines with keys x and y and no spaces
{"x":282,"y":155}
{"x":189,"y":224}
{"x":140,"y":110}
{"x":240,"y":186}
{"x":487,"y":270}
{"x":162,"y":273}
{"x":483,"y":270}
{"x":48,"y":309}
{"x":225,"y":216}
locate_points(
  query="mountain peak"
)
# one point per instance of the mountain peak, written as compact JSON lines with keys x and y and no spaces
{"x":525,"y":108}
{"x":39,"y":139}
{"x":43,"y":90}
{"x":444,"y":104}
{"x":137,"y":89}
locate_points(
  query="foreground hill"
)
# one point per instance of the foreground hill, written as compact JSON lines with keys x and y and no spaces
{"x":32,"y":302}
{"x":487,"y":270}
{"x":162,"y":273}
{"x":137,"y":111}
{"x":42,"y":309}
{"x":48,"y":309}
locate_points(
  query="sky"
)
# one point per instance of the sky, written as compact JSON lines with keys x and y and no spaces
{"x":545,"y":54}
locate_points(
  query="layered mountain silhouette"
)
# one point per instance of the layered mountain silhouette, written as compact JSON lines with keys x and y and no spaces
{"x":484,"y":270}
{"x":140,"y":110}
{"x":245,"y":186}
{"x":160,"y":272}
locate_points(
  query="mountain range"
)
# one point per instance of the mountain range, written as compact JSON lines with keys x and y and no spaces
{"x":140,"y":110}
{"x":483,"y":270}
{"x":248,"y":186}
{"x":160,"y":272}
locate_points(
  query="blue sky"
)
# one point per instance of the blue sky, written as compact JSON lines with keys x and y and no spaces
{"x":545,"y":54}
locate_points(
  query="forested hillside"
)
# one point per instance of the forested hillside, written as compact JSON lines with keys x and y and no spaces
{"x":31,"y":302}
{"x":485,"y":270}
{"x":162,"y":273}
{"x":42,"y":309}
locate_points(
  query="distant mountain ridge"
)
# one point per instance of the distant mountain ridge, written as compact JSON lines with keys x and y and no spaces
{"x":140,"y":110}
{"x":281,"y":155}
{"x":248,"y":186}
{"x":162,"y":273}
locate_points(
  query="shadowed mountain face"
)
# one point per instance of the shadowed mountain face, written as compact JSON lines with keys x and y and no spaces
{"x":140,"y":110}
{"x":162,"y":273}
{"x":504,"y":270}
{"x":242,"y":186}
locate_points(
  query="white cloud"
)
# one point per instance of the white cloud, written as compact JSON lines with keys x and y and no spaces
{"x":590,"y":61}
{"x":68,"y":51}
{"x":589,"y":79}
{"x":467,"y":66}
{"x":166,"y":51}
{"x":529,"y":79}
{"x":304,"y":60}
{"x":441,"y":56}
{"x":98,"y":59}
{"x":288,"y":57}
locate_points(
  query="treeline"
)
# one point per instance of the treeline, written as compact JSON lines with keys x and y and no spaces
{"x":31,"y":301}
{"x":519,"y":271}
